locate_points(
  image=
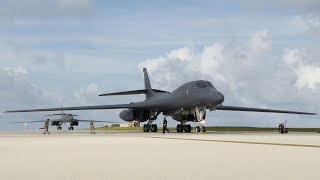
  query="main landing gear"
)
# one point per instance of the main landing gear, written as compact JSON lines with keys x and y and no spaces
{"x":150,"y":127}
{"x":59,"y":126}
{"x":70,"y":128}
{"x":184,"y":128}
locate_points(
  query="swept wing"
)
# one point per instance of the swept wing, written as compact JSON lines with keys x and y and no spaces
{"x":249,"y":109}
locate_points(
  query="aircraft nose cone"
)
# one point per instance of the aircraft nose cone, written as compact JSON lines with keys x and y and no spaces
{"x":220,"y":98}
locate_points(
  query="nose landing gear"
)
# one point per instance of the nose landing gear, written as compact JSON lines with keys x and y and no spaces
{"x":59,"y":126}
{"x":201,"y":115}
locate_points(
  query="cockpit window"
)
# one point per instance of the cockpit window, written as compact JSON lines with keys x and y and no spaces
{"x":210,"y":84}
{"x":203,"y":85}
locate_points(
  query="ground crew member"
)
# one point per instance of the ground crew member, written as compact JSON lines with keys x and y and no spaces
{"x":92,"y":129}
{"x":46,"y":127}
{"x":165,"y":124}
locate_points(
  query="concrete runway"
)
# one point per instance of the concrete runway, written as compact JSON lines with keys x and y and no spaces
{"x":135,"y":155}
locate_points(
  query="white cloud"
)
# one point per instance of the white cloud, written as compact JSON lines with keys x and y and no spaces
{"x":309,"y":23}
{"x":16,"y":71}
{"x":261,"y":41}
{"x":244,"y":79}
{"x":182,"y":54}
{"x":18,"y":91}
{"x":308,"y":73}
{"x":88,"y":94}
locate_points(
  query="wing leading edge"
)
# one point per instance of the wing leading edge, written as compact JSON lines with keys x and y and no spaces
{"x":118,"y":106}
{"x":236,"y":108}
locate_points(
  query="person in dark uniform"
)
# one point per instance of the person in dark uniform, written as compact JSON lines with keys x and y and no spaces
{"x":165,"y":124}
{"x":92,"y":129}
{"x":46,"y":127}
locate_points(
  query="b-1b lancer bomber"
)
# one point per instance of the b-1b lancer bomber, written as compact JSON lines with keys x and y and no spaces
{"x":188,"y":103}
{"x":65,"y":118}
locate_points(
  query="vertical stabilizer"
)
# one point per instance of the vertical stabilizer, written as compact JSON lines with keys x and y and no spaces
{"x":147,"y":84}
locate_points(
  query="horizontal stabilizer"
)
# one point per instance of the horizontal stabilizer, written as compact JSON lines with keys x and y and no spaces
{"x":140,"y":91}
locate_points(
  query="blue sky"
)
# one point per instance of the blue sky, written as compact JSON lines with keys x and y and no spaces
{"x":68,"y":51}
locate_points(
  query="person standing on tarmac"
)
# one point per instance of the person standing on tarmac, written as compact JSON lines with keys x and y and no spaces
{"x":46,"y":127}
{"x":92,"y":129}
{"x":165,"y":124}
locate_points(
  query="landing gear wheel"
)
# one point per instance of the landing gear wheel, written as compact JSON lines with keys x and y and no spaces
{"x":198,"y":129}
{"x":204,"y":129}
{"x":146,"y":128}
{"x":188,"y":128}
{"x":179,"y":128}
{"x":154,"y":128}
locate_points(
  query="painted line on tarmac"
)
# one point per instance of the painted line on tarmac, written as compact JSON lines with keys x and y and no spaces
{"x":241,"y":142}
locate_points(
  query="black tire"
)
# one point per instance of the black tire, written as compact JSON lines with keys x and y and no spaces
{"x":179,"y":128}
{"x":146,"y":128}
{"x":188,"y":128}
{"x":198,"y":129}
{"x":154,"y":128}
{"x":204,"y":129}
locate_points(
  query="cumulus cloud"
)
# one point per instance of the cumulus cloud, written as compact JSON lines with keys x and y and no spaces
{"x":261,"y":41}
{"x":245,"y":79}
{"x":17,"y":88}
{"x":17,"y":91}
{"x":308,"y":23}
{"x":88,"y":95}
{"x":308,"y":73}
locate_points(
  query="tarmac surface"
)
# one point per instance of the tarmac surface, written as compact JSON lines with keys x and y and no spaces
{"x":135,"y":155}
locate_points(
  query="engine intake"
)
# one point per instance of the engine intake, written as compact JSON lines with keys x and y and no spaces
{"x":74,"y":123}
{"x":135,"y":115}
{"x":55,"y":123}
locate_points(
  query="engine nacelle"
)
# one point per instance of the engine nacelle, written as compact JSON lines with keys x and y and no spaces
{"x":185,"y":115}
{"x":74,"y":123}
{"x":180,"y":117}
{"x":135,"y":115}
{"x":55,"y":123}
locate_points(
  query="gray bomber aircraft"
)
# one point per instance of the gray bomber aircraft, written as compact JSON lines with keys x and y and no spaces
{"x":65,"y":118}
{"x":188,"y":102}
